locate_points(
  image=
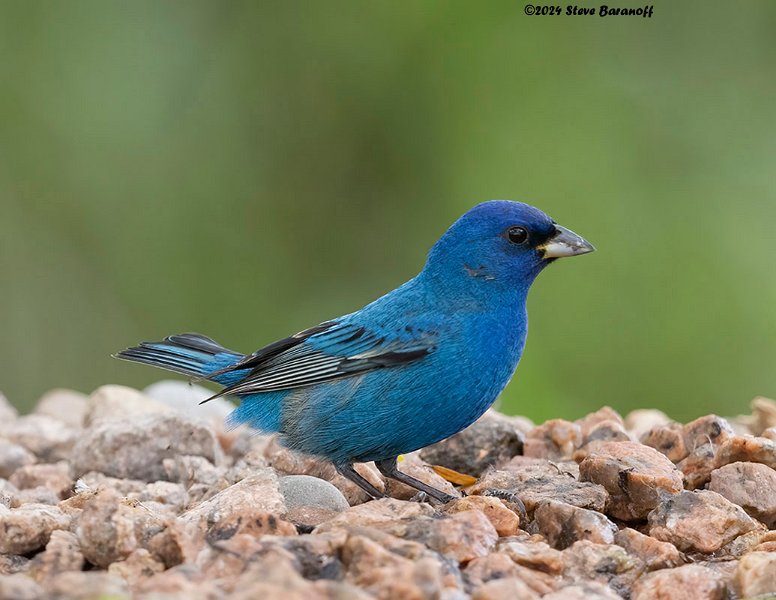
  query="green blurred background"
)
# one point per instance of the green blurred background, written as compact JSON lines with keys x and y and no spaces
{"x":248,"y":169}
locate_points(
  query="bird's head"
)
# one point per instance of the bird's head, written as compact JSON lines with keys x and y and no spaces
{"x":501,"y":243}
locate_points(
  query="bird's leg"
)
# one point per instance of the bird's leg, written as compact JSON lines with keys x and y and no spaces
{"x":390,"y":469}
{"x":348,"y":472}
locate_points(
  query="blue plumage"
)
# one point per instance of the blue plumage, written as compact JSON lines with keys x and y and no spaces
{"x":410,"y":369}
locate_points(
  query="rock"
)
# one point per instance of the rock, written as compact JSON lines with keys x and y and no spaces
{"x":54,"y":477}
{"x":414,"y":467}
{"x":461,"y":536}
{"x":110,"y":528}
{"x":653,"y":553}
{"x":749,"y":485}
{"x":744,"y":448}
{"x":190,"y":470}
{"x":534,"y":481}
{"x":699,"y":521}
{"x":138,"y":566}
{"x":166,"y":493}
{"x":608,"y":431}
{"x":710,"y":429}
{"x":259,"y":492}
{"x":505,"y":521}
{"x":7,"y":411}
{"x":63,"y":553}
{"x":667,"y":439}
{"x":756,"y":575}
{"x":120,"y":403}
{"x":605,"y":414}
{"x":696,"y":468}
{"x":110,"y":446}
{"x":28,"y":528}
{"x":510,"y":588}
{"x":68,"y":406}
{"x":584,"y":591}
{"x":498,"y":565}
{"x":605,"y":564}
{"x":372,"y":513}
{"x":88,"y":585}
{"x":20,"y":587}
{"x":638,"y":422}
{"x":12,"y":457}
{"x":49,"y":439}
{"x":633,"y":474}
{"x":13,"y":563}
{"x":388,"y":575}
{"x":535,"y":555}
{"x":689,"y":581}
{"x":562,"y":524}
{"x":36,"y":495}
{"x":763,"y":415}
{"x":490,"y":441}
{"x":554,"y":440}
{"x":770,"y":434}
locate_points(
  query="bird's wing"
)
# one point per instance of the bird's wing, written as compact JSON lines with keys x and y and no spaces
{"x":331,"y":350}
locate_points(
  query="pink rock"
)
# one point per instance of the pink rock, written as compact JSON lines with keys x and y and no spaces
{"x":709,"y":429}
{"x":680,"y":583}
{"x":605,"y":564}
{"x":67,"y":406}
{"x":534,"y":554}
{"x":63,"y":553}
{"x":752,"y":486}
{"x":534,"y":481}
{"x":259,"y":492}
{"x":744,"y":448}
{"x":87,"y":585}
{"x":504,"y":520}
{"x":461,"y":536}
{"x":510,"y":588}
{"x":638,"y":422}
{"x":55,"y":477}
{"x":110,"y":528}
{"x":13,"y":457}
{"x":633,"y":474}
{"x":756,"y":575}
{"x":667,"y":439}
{"x":50,"y":440}
{"x":20,"y":587}
{"x":111,"y":446}
{"x":385,"y":510}
{"x":699,"y":521}
{"x":388,"y":575}
{"x":602,"y":415}
{"x":499,"y":565}
{"x":563,"y":524}
{"x":29,"y":527}
{"x":137,"y":567}
{"x":584,"y":591}
{"x":653,"y":553}
{"x":555,"y":440}
{"x":696,"y":468}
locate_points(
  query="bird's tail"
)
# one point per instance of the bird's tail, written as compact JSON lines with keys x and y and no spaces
{"x":187,"y":353}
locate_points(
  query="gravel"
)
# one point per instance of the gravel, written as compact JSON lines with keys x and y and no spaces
{"x":128,"y":494}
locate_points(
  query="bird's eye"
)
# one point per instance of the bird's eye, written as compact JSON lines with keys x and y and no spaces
{"x":517,"y":234}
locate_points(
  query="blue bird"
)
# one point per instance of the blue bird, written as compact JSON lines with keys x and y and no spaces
{"x":412,"y":368}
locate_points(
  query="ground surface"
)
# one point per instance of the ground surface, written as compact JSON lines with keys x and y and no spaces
{"x":122,"y":494}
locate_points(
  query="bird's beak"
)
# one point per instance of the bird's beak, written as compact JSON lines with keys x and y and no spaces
{"x":565,"y":243}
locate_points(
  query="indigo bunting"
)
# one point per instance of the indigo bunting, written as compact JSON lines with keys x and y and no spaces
{"x":412,"y":368}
